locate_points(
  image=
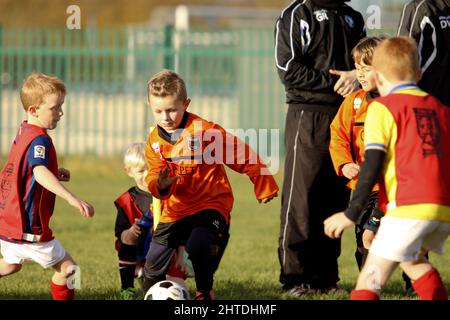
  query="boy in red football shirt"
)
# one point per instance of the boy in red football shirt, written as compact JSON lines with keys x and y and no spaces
{"x":29,"y":182}
{"x":406,"y":132}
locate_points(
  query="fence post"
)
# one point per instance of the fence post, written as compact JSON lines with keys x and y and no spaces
{"x":169,"y":61}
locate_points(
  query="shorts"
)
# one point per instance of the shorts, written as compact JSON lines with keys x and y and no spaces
{"x":400,"y":239}
{"x":46,"y":254}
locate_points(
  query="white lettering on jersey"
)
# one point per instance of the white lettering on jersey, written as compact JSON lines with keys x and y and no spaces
{"x":445,"y":21}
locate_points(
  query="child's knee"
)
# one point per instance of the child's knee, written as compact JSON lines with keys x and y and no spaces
{"x":8,"y":269}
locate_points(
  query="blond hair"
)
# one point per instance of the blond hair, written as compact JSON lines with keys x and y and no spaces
{"x":166,"y":83}
{"x":38,"y":85}
{"x":363,"y":51}
{"x":397,"y":59}
{"x":134,"y":156}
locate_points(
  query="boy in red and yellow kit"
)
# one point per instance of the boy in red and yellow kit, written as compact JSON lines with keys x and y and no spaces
{"x":406,"y":132}
{"x":347,"y":140}
{"x":185,"y":157}
{"x":29,"y":183}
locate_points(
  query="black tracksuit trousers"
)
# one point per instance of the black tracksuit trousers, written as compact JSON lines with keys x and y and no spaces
{"x":311,"y":192}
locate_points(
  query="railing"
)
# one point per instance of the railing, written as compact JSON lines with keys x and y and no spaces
{"x":230,"y":76}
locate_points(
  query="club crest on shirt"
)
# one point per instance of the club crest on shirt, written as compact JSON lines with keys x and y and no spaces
{"x":320,"y":15}
{"x":39,"y":151}
{"x":350,"y":22}
{"x":156,"y":147}
{"x":357,"y":103}
{"x":194,"y":143}
{"x":429,"y":130}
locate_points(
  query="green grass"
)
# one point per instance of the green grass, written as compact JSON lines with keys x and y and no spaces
{"x":249,"y":268}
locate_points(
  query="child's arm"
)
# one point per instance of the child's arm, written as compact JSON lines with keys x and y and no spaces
{"x":159,"y":180}
{"x":48,"y":180}
{"x":247,"y":161}
{"x":340,"y":131}
{"x":340,"y":140}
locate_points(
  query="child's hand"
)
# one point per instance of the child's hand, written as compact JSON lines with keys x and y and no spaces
{"x":63,"y":174}
{"x":135,"y":230}
{"x":164,"y":180}
{"x":336,"y":224}
{"x":86,"y":209}
{"x":367,"y":238}
{"x":131,"y":235}
{"x":268,"y":199}
{"x":347,"y":82}
{"x":350,"y":170}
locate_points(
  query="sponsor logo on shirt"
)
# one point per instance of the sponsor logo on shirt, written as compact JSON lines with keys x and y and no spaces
{"x":321,"y":15}
{"x":39,"y":151}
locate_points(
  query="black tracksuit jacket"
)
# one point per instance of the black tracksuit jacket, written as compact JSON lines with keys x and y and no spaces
{"x":308,"y":42}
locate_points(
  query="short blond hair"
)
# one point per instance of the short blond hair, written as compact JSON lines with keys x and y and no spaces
{"x":363,"y":51}
{"x":166,"y":83}
{"x":37,"y":86}
{"x":134,"y":156}
{"x":397,"y":59}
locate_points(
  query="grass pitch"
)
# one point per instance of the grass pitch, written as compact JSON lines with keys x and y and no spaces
{"x":249,"y":269}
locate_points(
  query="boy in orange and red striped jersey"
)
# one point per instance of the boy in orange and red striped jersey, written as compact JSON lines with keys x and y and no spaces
{"x":185,"y":158}
{"x":347,"y":140}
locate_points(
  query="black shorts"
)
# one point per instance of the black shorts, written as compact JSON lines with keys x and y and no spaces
{"x":175,"y":234}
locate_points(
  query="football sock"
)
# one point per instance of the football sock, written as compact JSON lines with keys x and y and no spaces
{"x":61,"y":292}
{"x":364,"y":295}
{"x":174,"y":271}
{"x":127,"y":275}
{"x":430,"y":286}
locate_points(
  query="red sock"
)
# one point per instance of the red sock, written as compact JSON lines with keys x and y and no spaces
{"x":430,"y":286}
{"x":61,"y":292}
{"x":176,"y":272}
{"x":364,"y":295}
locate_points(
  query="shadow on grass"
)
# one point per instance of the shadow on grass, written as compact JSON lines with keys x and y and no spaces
{"x":247,"y":290}
{"x":46,"y":295}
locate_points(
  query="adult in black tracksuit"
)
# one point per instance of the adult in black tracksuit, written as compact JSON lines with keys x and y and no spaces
{"x":312,"y":37}
{"x":428,"y":22}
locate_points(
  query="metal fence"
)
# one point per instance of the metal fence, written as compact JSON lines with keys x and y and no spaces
{"x":230,"y":77}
